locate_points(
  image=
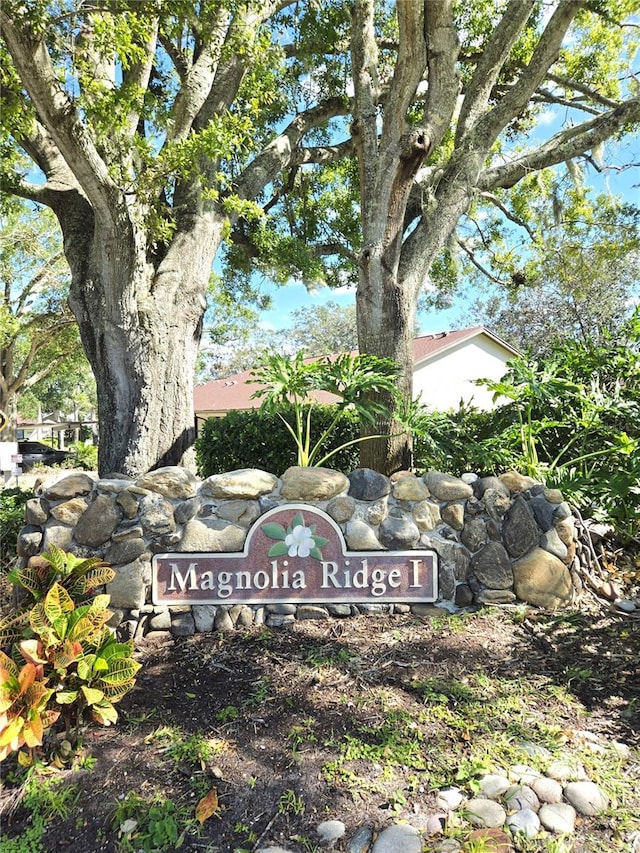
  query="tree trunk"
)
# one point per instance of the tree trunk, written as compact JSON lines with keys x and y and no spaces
{"x":9,"y":407}
{"x":140,"y":325}
{"x":386,"y":326}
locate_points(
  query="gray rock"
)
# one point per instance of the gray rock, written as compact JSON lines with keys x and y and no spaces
{"x":525,"y":822}
{"x":98,"y":521}
{"x":160,"y":621}
{"x":361,"y":841}
{"x":495,"y":596}
{"x":483,"y":812}
{"x":376,"y":512}
{"x":212,"y":535}
{"x":368,"y":485}
{"x":445,"y":487}
{"x":520,"y":532}
{"x":551,"y":542}
{"x":222,"y":620}
{"x":547,"y":790}
{"x":399,"y":838}
{"x":587,"y":798}
{"x":36,"y":511}
{"x":245,"y":483}
{"x":156,"y":515}
{"x":474,"y":534}
{"x":564,"y":770}
{"x":128,"y":588}
{"x":68,"y":487}
{"x":330,"y":830}
{"x":312,"y":484}
{"x":56,"y":534}
{"x":494,"y":785}
{"x":125,"y":551}
{"x":558,"y":817}
{"x":30,"y":540}
{"x":463,"y":595}
{"x":360,"y":537}
{"x":312,"y":611}
{"x":496,"y":502}
{"x":172,"y":482}
{"x":243,"y":513}
{"x":518,"y":797}
{"x":204,"y":617}
{"x":186,"y":510}
{"x":543,"y":512}
{"x":183,"y":625}
{"x":339,"y":610}
{"x":492,"y":566}
{"x":482,"y":484}
{"x":399,"y":534}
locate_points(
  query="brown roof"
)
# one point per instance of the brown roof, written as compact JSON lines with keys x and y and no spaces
{"x":234,"y":392}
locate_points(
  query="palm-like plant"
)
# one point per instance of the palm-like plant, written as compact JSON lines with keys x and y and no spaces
{"x":353,"y":379}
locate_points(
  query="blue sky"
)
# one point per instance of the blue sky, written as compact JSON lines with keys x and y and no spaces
{"x":290,"y":297}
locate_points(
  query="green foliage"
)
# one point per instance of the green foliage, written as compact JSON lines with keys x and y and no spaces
{"x":74,"y":665}
{"x":148,"y":824}
{"x":354,"y":379}
{"x":258,"y":439}
{"x":12,"y":502}
{"x":83,"y":456}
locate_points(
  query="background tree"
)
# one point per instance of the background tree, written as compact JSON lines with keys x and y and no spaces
{"x":452,"y":144}
{"x":326,"y":148}
{"x":579,"y":283}
{"x":318,"y":330}
{"x":38,"y":334}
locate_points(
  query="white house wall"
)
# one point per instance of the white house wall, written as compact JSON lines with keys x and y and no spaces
{"x":448,"y":377}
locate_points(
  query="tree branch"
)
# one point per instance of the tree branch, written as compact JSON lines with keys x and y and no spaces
{"x":490,"y":63}
{"x":281,"y":151}
{"x":514,"y":101}
{"x":59,"y":116}
{"x":565,"y":145}
{"x":491,"y":197}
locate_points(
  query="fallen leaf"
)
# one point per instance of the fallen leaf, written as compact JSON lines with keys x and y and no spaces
{"x":207,"y":806}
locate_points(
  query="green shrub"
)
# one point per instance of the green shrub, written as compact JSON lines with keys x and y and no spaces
{"x":63,"y":660}
{"x":256,"y":439}
{"x":12,"y":502}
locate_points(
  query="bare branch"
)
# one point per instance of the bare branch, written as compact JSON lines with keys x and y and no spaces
{"x":476,"y":263}
{"x":495,"y":201}
{"x":569,"y":143}
{"x":589,"y":91}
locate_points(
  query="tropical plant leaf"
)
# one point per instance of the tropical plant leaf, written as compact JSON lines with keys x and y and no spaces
{"x":57,"y":602}
{"x":119,"y":671}
{"x":92,"y":695}
{"x":104,"y":713}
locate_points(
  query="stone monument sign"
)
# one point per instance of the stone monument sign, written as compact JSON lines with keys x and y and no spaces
{"x":295,"y":553}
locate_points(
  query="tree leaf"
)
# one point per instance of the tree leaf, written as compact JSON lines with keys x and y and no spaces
{"x":277,"y":550}
{"x":208,"y":806}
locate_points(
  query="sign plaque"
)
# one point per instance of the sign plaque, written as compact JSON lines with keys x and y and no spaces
{"x":295,"y":554}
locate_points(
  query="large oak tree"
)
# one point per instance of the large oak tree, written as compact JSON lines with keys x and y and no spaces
{"x":325,"y":145}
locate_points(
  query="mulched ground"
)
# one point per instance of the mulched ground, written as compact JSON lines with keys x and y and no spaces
{"x":357,"y":719}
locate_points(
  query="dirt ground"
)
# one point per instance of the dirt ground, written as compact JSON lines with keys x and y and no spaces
{"x":359,"y":720}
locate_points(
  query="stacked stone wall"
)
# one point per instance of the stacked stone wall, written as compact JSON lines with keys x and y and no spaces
{"x":499,"y":540}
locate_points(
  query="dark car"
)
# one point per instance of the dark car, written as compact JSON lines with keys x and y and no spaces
{"x":37,"y":453}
